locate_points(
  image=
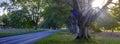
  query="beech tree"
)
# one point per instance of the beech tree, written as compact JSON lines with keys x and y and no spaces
{"x":80,"y":13}
{"x":84,"y":15}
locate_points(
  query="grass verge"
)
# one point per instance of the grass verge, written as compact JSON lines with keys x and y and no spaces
{"x":5,"y":33}
{"x":65,"y":37}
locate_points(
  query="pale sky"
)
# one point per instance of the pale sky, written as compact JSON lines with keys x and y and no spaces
{"x":1,"y":8}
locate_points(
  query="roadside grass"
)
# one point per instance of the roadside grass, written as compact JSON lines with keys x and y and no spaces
{"x":12,"y":32}
{"x":65,"y":37}
{"x":109,"y":41}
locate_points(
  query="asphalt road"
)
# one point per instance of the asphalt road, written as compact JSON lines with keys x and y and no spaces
{"x":26,"y":38}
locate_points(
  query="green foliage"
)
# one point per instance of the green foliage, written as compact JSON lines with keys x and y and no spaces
{"x":19,"y":19}
{"x":55,"y":14}
{"x":115,"y":13}
{"x":95,"y":27}
{"x":29,"y":14}
{"x":63,"y":37}
{"x":107,"y":21}
{"x":34,"y":9}
{"x":5,"y":20}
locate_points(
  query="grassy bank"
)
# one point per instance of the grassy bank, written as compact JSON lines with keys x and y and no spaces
{"x":65,"y":37}
{"x":12,"y":32}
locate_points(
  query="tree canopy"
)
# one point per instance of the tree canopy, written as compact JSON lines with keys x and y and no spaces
{"x":77,"y":15}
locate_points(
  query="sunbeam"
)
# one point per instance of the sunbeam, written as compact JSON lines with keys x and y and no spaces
{"x":98,"y":3}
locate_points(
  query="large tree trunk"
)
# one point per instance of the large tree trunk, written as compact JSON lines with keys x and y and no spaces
{"x":84,"y":19}
{"x":72,"y":25}
{"x":83,"y":33}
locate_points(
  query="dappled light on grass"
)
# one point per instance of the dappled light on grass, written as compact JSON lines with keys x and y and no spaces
{"x":65,"y":37}
{"x":110,"y":41}
{"x":58,"y":38}
{"x":108,"y":38}
{"x":103,"y":30}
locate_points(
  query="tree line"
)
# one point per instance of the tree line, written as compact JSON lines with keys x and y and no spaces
{"x":77,"y":15}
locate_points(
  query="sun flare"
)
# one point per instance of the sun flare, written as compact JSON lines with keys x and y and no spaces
{"x":98,"y":3}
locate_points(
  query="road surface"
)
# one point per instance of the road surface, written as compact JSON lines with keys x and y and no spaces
{"x":26,"y":38}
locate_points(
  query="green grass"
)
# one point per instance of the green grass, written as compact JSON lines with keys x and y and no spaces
{"x":65,"y":37}
{"x":12,"y":32}
{"x":109,"y":41}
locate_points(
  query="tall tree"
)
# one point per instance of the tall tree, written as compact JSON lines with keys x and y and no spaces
{"x":115,"y":13}
{"x":34,"y":7}
{"x":19,"y":19}
{"x":85,"y":15}
{"x":55,"y":14}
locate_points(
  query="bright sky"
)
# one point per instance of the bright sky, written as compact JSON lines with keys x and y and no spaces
{"x":100,"y":3}
{"x":1,"y":8}
{"x":1,"y":11}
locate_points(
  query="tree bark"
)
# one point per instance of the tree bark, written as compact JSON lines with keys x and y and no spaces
{"x":83,"y":33}
{"x":83,"y":22}
{"x":82,"y":30}
{"x":72,"y":25}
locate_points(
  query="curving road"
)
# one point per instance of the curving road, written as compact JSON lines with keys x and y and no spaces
{"x":26,"y":38}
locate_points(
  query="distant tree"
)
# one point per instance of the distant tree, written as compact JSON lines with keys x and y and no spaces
{"x":5,"y":20}
{"x":19,"y":19}
{"x":56,"y":14}
{"x":115,"y":14}
{"x":34,"y":8}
